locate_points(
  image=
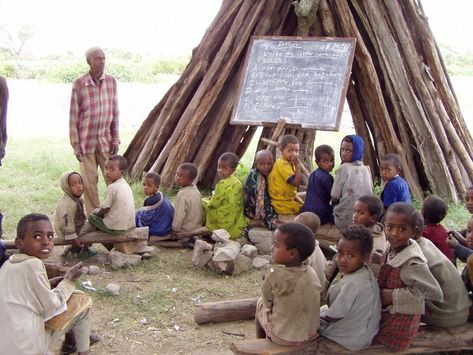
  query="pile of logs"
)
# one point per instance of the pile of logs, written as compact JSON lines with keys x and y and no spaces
{"x":400,"y":95}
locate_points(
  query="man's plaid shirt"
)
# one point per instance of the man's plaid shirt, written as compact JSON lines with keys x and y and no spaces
{"x":93,"y":118}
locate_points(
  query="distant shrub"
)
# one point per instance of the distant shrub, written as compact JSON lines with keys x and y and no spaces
{"x":8,"y":70}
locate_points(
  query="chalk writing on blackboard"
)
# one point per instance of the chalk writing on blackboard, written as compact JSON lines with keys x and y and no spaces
{"x":302,"y":79}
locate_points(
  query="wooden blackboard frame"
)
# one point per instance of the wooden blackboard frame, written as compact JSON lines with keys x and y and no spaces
{"x":236,"y":120}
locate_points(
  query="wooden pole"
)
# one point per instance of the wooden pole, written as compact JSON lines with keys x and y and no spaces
{"x":135,"y":234}
{"x":226,"y":311}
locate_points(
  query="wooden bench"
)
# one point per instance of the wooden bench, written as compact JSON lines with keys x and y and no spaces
{"x":428,"y":340}
{"x":131,"y":235}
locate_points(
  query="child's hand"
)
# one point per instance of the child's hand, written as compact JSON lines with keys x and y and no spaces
{"x":55,"y":280}
{"x":74,"y":272}
{"x":376,"y":256}
{"x":452,"y":242}
{"x":386,"y":297}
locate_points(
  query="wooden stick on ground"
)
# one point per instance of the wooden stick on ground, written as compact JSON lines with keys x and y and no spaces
{"x":225,"y":311}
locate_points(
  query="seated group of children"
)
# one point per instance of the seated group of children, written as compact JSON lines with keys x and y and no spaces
{"x":385,"y":289}
{"x":117,"y":213}
{"x":393,"y":275}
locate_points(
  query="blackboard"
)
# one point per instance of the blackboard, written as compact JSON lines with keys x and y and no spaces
{"x":303,"y":80}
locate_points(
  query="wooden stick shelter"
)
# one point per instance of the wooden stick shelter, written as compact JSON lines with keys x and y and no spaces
{"x":400,"y":96}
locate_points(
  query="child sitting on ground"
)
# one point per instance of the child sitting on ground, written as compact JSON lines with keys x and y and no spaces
{"x":351,"y":317}
{"x":285,"y":178}
{"x":352,"y":180}
{"x":434,"y":210}
{"x":395,"y":188}
{"x":256,"y":196}
{"x":455,"y":307}
{"x":26,"y":297}
{"x":367,"y":212}
{"x":157,"y":212}
{"x":317,"y":199}
{"x":317,"y":259}
{"x":288,"y":311}
{"x":188,"y":212}
{"x":69,"y":216}
{"x":224,"y":210}
{"x":117,"y":213}
{"x":404,"y":280}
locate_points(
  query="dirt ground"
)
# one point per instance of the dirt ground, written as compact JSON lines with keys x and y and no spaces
{"x":154,"y":312}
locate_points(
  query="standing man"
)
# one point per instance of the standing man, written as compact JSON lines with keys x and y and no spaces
{"x":3,"y":135}
{"x":93,"y":123}
{"x":3,"y":116}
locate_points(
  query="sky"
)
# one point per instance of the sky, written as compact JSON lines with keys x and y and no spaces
{"x":167,"y":27}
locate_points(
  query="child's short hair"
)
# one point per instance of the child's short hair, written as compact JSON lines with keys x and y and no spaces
{"x":374,"y":204}
{"x":299,"y":237}
{"x":263,"y":153}
{"x":23,"y":223}
{"x":122,"y":163}
{"x":469,"y":188}
{"x":394,"y":159}
{"x":434,"y":209}
{"x":403,"y":208}
{"x":310,"y":220}
{"x":230,"y":158}
{"x":419,"y":221}
{"x":288,"y":139}
{"x":323,"y":149}
{"x":155,"y":177}
{"x":360,"y":233}
{"x":190,"y":168}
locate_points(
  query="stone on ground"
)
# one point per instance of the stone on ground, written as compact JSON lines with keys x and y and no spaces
{"x":259,"y":262}
{"x":242,"y":264}
{"x":202,"y":253}
{"x":249,"y":250}
{"x":262,"y":238}
{"x":118,"y":260}
{"x":113,"y":289}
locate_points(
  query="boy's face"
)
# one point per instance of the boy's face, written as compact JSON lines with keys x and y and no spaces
{"x":112,"y":170}
{"x":362,"y":216}
{"x":149,"y":187}
{"x":469,"y":233}
{"x":279,"y":252}
{"x":182,"y":178}
{"x":349,"y":257}
{"x":387,"y":170}
{"x":291,"y":152}
{"x":75,"y":183}
{"x":326,"y":162}
{"x":223,"y":169}
{"x":264,"y":164}
{"x":38,"y":239}
{"x":398,"y":230}
{"x":346,"y":151}
{"x":469,"y":200}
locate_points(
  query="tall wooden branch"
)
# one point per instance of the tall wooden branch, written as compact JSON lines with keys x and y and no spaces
{"x":400,"y":95}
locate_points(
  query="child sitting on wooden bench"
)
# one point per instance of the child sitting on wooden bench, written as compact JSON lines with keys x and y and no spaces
{"x":117,"y":213}
{"x":28,"y":298}
{"x":69,"y":216}
{"x":288,"y":311}
{"x":351,"y":317}
{"x":188,"y":212}
{"x":157,"y":213}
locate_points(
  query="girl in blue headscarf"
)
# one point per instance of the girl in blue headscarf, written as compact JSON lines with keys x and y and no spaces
{"x":352,"y":180}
